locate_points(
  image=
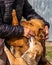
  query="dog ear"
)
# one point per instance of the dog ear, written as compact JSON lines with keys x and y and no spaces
{"x":14,"y":18}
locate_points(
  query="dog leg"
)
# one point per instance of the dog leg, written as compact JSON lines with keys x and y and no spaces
{"x":9,"y":55}
{"x":12,"y":59}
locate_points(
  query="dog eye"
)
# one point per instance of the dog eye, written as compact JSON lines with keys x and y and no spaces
{"x":31,"y":24}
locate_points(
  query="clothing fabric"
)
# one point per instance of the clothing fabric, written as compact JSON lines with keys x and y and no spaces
{"x":23,"y":8}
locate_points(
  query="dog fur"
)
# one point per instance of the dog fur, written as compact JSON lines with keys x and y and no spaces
{"x":24,"y":51}
{"x":29,"y":57}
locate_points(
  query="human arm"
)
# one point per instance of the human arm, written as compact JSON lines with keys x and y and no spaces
{"x":9,"y":31}
{"x":30,"y":13}
{"x":6,"y":29}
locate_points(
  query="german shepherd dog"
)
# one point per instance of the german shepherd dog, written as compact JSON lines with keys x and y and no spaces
{"x":26,"y":51}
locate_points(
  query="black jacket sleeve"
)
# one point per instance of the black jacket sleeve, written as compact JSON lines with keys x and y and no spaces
{"x":30,"y":13}
{"x":8,"y":11}
{"x":6,"y":30}
{"x":9,"y":31}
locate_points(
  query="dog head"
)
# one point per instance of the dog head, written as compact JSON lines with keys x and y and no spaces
{"x":36,"y":26}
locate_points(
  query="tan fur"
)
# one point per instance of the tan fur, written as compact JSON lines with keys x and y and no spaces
{"x":12,"y":59}
{"x":29,"y":57}
{"x":33,"y":25}
{"x":21,"y":45}
{"x":34,"y":52}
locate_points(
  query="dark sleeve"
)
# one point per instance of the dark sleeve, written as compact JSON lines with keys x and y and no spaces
{"x":30,"y":13}
{"x":8,"y":10}
{"x":8,"y":31}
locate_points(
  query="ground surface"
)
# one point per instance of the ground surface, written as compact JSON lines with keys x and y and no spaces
{"x":49,"y":51}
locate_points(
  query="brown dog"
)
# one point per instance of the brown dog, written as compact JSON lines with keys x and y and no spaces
{"x":36,"y":26}
{"x":21,"y":45}
{"x":29,"y":57}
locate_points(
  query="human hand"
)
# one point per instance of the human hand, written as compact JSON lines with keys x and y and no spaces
{"x":28,"y":33}
{"x":46,"y":32}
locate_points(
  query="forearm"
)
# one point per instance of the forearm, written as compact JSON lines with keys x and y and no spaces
{"x":30,"y":13}
{"x":8,"y":31}
{"x":8,"y":10}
